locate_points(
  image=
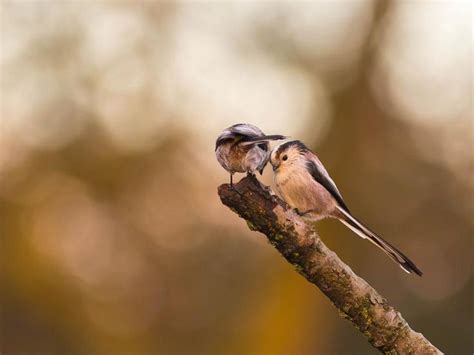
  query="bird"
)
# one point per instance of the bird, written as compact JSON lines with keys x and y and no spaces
{"x":304,"y":184}
{"x":243,"y":148}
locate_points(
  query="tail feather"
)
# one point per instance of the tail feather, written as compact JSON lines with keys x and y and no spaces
{"x":252,"y":140}
{"x":396,"y":255}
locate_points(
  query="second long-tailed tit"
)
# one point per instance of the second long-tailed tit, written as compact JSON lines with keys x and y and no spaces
{"x":243,"y":148}
{"x":303,"y":182}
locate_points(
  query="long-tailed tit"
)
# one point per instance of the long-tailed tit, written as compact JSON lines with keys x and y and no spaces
{"x":303,"y":182}
{"x":243,"y":148}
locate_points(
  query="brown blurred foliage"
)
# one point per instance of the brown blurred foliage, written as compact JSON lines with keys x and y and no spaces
{"x":113,"y":237}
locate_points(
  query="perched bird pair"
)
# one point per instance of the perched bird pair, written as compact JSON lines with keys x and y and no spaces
{"x":300,"y":179}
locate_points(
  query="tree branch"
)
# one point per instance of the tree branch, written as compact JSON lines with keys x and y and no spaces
{"x":355,"y":299}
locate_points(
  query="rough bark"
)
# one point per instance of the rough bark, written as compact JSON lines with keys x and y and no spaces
{"x":297,"y":241}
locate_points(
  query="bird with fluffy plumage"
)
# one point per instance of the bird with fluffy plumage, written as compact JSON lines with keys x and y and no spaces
{"x":303,"y":182}
{"x":243,"y":148}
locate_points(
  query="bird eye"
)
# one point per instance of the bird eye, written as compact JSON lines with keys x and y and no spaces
{"x":285,"y":157}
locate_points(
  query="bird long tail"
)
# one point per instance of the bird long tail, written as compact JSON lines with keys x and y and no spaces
{"x":253,"y":140}
{"x":364,"y":232}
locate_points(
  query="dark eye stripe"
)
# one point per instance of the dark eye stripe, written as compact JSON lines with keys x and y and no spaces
{"x":299,"y":145}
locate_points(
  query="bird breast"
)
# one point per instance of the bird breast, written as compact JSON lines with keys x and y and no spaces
{"x":298,"y":188}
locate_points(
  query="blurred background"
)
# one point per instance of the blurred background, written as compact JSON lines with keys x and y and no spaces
{"x":113,"y":238}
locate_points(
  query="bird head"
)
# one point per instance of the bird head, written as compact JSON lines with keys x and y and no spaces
{"x":287,"y":154}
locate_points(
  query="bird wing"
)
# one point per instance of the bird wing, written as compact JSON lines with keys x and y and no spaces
{"x":246,"y":130}
{"x":319,"y":173}
{"x":242,"y":132}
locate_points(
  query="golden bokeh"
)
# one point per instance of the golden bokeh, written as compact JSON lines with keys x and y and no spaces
{"x":114,"y":240}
